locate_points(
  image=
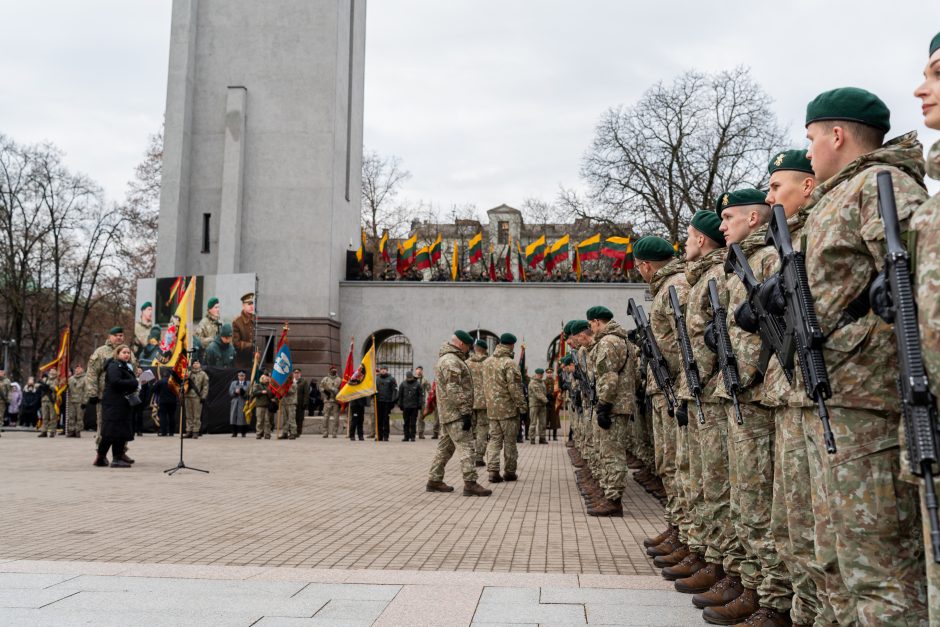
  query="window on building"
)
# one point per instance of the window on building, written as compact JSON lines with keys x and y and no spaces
{"x":205,"y":231}
{"x":502,"y":232}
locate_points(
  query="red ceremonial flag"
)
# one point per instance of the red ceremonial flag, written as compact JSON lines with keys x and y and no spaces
{"x":509,"y":276}
{"x":281,"y":379}
{"x":492,"y":269}
{"x":349,"y":370}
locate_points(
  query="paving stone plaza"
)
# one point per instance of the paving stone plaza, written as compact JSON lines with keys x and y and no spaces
{"x":314,"y":532}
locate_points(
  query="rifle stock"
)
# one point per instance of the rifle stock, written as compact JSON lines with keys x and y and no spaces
{"x":689,"y":365}
{"x":656,"y":361}
{"x":727,"y":362}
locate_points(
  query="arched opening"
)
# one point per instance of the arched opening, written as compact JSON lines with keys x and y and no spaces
{"x":491,"y":338}
{"x":392,"y":349}
{"x":553,"y":352}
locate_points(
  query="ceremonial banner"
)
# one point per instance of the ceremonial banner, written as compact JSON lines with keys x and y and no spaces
{"x":476,"y":248}
{"x":557,"y":253}
{"x":361,"y":252}
{"x":492,"y":268}
{"x":281,"y":378}
{"x":535,"y":252}
{"x":455,"y":263}
{"x":577,"y":264}
{"x":590,"y":248}
{"x":61,"y":364}
{"x":177,"y":340}
{"x":520,"y":265}
{"x":383,"y":247}
{"x":435,"y":250}
{"x":363,"y":383}
{"x":423,"y":259}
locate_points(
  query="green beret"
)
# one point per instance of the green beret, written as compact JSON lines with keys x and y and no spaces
{"x":739,"y":197}
{"x":155,"y":332}
{"x":707,"y":223}
{"x":652,"y":248}
{"x":115,"y":330}
{"x":850,"y":104}
{"x":507,"y":338}
{"x":226,"y":330}
{"x":934,"y":44}
{"x":145,"y":305}
{"x":579,"y":325}
{"x":567,"y":360}
{"x":599,"y":312}
{"x":539,"y":371}
{"x":481,"y":343}
{"x":790,"y":160}
{"x":464,"y":337}
{"x":212,"y":302}
{"x":566,"y":330}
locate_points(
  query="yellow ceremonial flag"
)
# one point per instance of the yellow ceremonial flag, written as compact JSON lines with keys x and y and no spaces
{"x":363,"y":381}
{"x":455,"y":263}
{"x":184,"y":311}
{"x":360,"y":253}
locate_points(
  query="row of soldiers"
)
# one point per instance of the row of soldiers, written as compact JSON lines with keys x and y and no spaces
{"x":788,"y":501}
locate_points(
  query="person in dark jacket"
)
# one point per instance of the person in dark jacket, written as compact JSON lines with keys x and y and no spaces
{"x":32,"y":401}
{"x":386,"y":390}
{"x":167,"y":401}
{"x":357,"y":414}
{"x":411,"y":400}
{"x":117,"y":410}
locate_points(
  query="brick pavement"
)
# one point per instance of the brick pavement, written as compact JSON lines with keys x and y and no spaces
{"x":308,"y":503}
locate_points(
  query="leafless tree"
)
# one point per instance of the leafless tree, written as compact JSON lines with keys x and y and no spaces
{"x":141,"y":209}
{"x":655,"y":163}
{"x":382,"y":178}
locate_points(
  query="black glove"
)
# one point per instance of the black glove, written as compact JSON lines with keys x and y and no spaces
{"x":771,"y":297}
{"x":745,"y":318}
{"x":603,"y":415}
{"x":682,"y":414}
{"x":523,"y":416}
{"x":711,"y":341}
{"x":93,"y":400}
{"x":880,"y":297}
{"x":467,"y":421}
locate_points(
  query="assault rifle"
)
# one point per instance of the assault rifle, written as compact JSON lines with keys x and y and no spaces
{"x":754,"y":317}
{"x":685,"y":348}
{"x":583,"y":384}
{"x":727,"y":362}
{"x":787,"y":293}
{"x":657,"y":362}
{"x":894,"y":298}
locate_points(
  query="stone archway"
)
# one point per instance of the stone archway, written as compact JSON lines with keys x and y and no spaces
{"x":491,"y":338}
{"x":392,"y":349}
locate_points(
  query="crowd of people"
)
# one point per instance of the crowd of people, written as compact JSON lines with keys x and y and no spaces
{"x":604,"y":273}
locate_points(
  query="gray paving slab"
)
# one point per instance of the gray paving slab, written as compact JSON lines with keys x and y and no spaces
{"x":610,"y":614}
{"x":167,"y":585}
{"x":31,"y":598}
{"x":615,"y":597}
{"x":281,"y":621}
{"x":260,"y":604}
{"x":352,"y":591}
{"x":27,"y":581}
{"x":500,"y":594}
{"x":516,"y":613}
{"x":348,"y":609}
{"x":48,"y":617}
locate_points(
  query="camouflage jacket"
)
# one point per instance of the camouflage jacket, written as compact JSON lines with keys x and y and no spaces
{"x":454,"y":385}
{"x":94,"y":374}
{"x":259,"y":392}
{"x":49,"y":382}
{"x":5,"y":388}
{"x":141,"y":335}
{"x":290,"y":398}
{"x":537,"y":394}
{"x":587,"y":367}
{"x":698,"y":313}
{"x":198,"y":385}
{"x":845,"y":248}
{"x":927,"y":273}
{"x":776,"y":390}
{"x":747,"y":346}
{"x":329,"y":386}
{"x":208,"y":329}
{"x":664,"y":325}
{"x":426,"y":390}
{"x":475,"y":363}
{"x":77,"y":389}
{"x":613,"y":377}
{"x":502,"y":385}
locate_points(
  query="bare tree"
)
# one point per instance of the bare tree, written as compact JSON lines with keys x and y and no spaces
{"x":673,"y":152}
{"x":141,"y":209}
{"x":382,"y":178}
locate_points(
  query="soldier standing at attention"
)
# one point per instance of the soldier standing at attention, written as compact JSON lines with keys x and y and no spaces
{"x":197,"y":390}
{"x":505,"y":405}
{"x":303,"y":394}
{"x":329,"y":386}
{"x":211,"y":325}
{"x":455,"y":403}
{"x":142,"y":327}
{"x":875,"y":526}
{"x":538,"y":403}
{"x":481,"y":426}
{"x":259,"y":392}
{"x":614,"y":386}
{"x":75,"y":418}
{"x":288,"y":409}
{"x":243,"y":332}
{"x":221,"y":353}
{"x":927,"y":224}
{"x":50,"y":420}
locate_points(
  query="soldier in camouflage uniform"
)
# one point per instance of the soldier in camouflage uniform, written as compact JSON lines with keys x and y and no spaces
{"x":75,"y":417}
{"x":538,"y":402}
{"x":614,"y":385}
{"x":50,"y":420}
{"x":426,"y":387}
{"x":262,"y":397}
{"x":197,"y":390}
{"x":658,"y":266}
{"x":5,"y":388}
{"x":288,"y":410}
{"x":926,"y":222}
{"x":211,"y":325}
{"x":744,"y":214}
{"x":505,"y":405}
{"x":481,"y":426}
{"x":329,"y":386}
{"x":455,"y":404}
{"x":874,"y":515}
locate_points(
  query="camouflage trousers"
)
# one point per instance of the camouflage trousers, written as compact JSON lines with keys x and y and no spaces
{"x":644,"y":437}
{"x":289,"y":419}
{"x":791,"y":520}
{"x":874,"y":519}
{"x":50,"y":421}
{"x":454,"y":438}
{"x":664,"y":443}
{"x":612,"y":455}
{"x":330,"y":419}
{"x":690,"y":451}
{"x":193,"y":406}
{"x":436,"y":424}
{"x":718,"y":533}
{"x":262,"y":421}
{"x":537,"y":415}
{"x":751,"y":474}
{"x":683,"y":483}
{"x":503,"y":434}
{"x":75,"y":419}
{"x":481,"y":430}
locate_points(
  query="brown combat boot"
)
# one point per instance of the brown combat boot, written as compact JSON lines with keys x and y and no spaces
{"x":726,"y":590}
{"x":510,"y":476}
{"x":607,"y":508}
{"x":438,"y":486}
{"x":766,"y":617}
{"x":733,"y":612}
{"x":660,"y":538}
{"x":702,"y":580}
{"x":495,"y":478}
{"x":472,"y":488}
{"x":686,"y":568}
{"x":569,"y":444}
{"x":673,"y":558}
{"x":665,"y":547}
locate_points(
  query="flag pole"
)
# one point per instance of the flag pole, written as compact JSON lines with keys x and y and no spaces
{"x":375,"y":404}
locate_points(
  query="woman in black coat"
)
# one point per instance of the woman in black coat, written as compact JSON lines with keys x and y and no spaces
{"x":117,"y":413}
{"x":30,"y":405}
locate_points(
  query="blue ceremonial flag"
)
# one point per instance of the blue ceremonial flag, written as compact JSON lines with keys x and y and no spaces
{"x":281,"y":378}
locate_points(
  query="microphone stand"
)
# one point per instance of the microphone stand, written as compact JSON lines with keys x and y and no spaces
{"x":181,"y":465}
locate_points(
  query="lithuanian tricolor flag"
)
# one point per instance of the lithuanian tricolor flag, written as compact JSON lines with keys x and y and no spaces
{"x":590,"y":248}
{"x":435,"y":250}
{"x":423,"y":259}
{"x":535,"y":252}
{"x":577,"y":264}
{"x":616,"y":247}
{"x":557,"y":253}
{"x":476,"y":247}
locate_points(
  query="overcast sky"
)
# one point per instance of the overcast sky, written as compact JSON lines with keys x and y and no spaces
{"x":484,"y":101}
